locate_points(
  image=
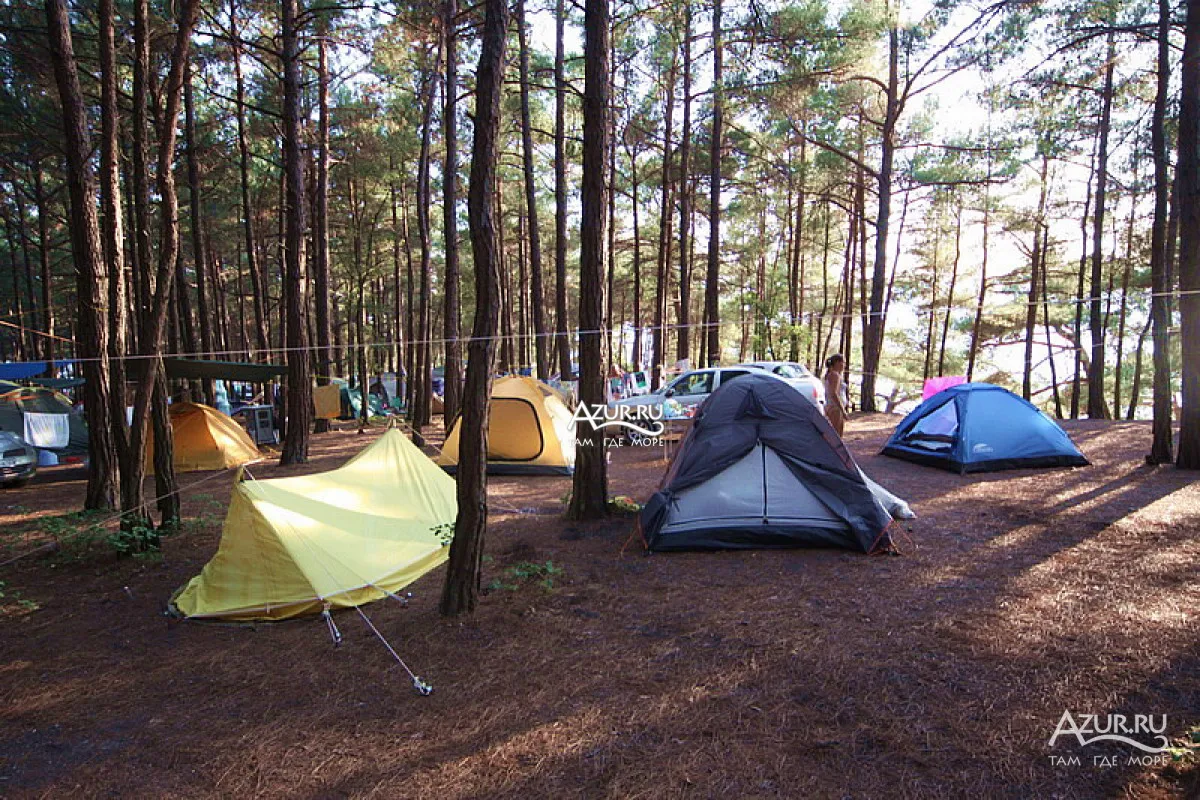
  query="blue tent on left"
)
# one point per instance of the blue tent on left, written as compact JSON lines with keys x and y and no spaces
{"x":979,"y":427}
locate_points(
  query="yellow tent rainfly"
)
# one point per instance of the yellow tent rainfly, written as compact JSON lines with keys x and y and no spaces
{"x":341,"y":538}
{"x":205,"y":439}
{"x":530,"y":431}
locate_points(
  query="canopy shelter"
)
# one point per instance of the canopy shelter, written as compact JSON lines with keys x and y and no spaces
{"x":43,"y":418}
{"x":341,"y":538}
{"x":198,"y":369}
{"x":530,"y":431}
{"x":762,"y":467}
{"x":979,"y":427}
{"x":27,"y":370}
{"x":205,"y":439}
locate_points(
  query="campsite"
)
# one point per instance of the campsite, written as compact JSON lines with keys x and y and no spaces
{"x":745,"y":673}
{"x":600,"y":399}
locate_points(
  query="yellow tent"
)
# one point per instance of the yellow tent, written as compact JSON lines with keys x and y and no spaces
{"x":205,"y":439}
{"x":344,"y":537}
{"x":530,"y":431}
{"x":327,"y":401}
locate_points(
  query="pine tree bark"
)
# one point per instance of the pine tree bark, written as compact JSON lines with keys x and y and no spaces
{"x":685,"y":196}
{"x":1097,"y":408}
{"x":39,"y":197}
{"x":1035,"y":265}
{"x":451,"y":328}
{"x":252,"y":261}
{"x":1162,"y":446}
{"x":537,"y":300}
{"x":589,"y":490}
{"x":91,"y":278}
{"x":562,"y":342}
{"x":423,"y":387}
{"x":299,"y":388}
{"x":663,"y":260}
{"x":712,"y":294}
{"x":1188,"y":178}
{"x":324,"y":332}
{"x":460,"y":594}
{"x":200,"y":255}
{"x":874,"y":333}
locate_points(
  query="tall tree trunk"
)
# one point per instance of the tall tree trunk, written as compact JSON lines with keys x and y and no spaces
{"x":423,"y":388}
{"x":873,"y":335}
{"x":252,"y":262}
{"x":1097,"y":407}
{"x":953,"y":282}
{"x":636,"y":363}
{"x":712,"y":297}
{"x":1135,"y":389}
{"x":1188,"y":177}
{"x":562,"y":342}
{"x":299,"y":388}
{"x":460,"y":593}
{"x":663,"y":262}
{"x":1160,"y":284}
{"x":39,"y":196}
{"x":537,"y":300}
{"x":1058,"y":411}
{"x":1035,"y":283}
{"x":151,"y":386}
{"x":589,"y":489}
{"x":321,"y":277}
{"x":200,"y":256}
{"x":451,"y":329}
{"x":90,"y":271}
{"x":685,"y":195}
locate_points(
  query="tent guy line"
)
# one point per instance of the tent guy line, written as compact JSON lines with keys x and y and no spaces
{"x":113,"y":518}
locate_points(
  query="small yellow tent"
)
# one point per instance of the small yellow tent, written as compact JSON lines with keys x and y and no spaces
{"x":327,"y":401}
{"x":530,"y":431}
{"x":205,"y":439}
{"x":344,"y":537}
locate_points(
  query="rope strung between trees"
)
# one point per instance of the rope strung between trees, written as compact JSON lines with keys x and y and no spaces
{"x":500,"y":337}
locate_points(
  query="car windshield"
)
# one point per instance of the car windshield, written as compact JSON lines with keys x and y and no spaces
{"x":693,"y":384}
{"x":791,"y":371}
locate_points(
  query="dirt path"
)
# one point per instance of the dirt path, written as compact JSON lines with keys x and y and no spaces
{"x":941,"y":673}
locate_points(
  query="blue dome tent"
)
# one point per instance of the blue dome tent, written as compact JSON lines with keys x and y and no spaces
{"x":978,"y":427}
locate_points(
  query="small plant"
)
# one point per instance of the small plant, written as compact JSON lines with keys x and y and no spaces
{"x":444,"y":532}
{"x":622,"y":504}
{"x":527,"y":572}
{"x":134,"y":540}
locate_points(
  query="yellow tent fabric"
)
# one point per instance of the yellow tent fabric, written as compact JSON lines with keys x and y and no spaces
{"x":327,"y":401}
{"x":344,"y":537}
{"x":530,"y":431}
{"x":205,"y":439}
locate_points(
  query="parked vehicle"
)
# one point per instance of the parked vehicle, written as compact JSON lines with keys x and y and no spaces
{"x":687,"y":391}
{"x":18,"y":461}
{"x":811,"y":387}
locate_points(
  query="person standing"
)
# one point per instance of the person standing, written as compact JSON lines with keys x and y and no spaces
{"x":837,"y":398}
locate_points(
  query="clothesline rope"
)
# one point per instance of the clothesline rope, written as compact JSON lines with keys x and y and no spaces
{"x":811,"y":317}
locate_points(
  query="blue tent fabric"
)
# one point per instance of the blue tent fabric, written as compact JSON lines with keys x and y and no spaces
{"x":979,"y":427}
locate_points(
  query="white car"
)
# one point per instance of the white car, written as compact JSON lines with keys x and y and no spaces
{"x":18,"y":461}
{"x":690,"y":389}
{"x":798,"y":376}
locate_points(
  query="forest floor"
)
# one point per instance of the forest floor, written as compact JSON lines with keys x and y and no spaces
{"x":942,"y":672}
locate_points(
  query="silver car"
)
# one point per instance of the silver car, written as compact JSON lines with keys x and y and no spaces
{"x":688,"y":390}
{"x":798,"y":375}
{"x":18,"y":461}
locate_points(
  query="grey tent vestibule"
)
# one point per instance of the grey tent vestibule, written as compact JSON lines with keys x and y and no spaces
{"x":763,"y":468}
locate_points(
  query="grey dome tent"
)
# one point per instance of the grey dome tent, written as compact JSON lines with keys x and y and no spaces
{"x":763,"y":468}
{"x":981,"y":427}
{"x":43,"y":419}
